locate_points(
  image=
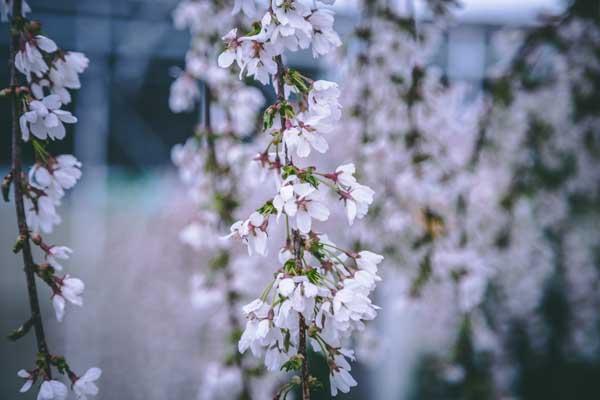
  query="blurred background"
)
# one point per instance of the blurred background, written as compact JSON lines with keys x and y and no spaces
{"x":123,"y":218}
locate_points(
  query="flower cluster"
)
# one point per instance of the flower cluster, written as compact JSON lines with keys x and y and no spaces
{"x":320,"y":292}
{"x":49,"y":73}
{"x":413,"y":135}
{"x":288,"y":25}
{"x":480,"y":205}
{"x":212,"y":165}
{"x":540,"y":125}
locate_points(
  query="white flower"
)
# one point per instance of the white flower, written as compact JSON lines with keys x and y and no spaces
{"x":344,"y":174}
{"x":258,"y":60}
{"x":53,"y":390}
{"x":59,"y":174}
{"x":41,"y":214}
{"x":64,"y":74}
{"x":282,"y":36}
{"x":254,"y":336}
{"x":340,"y":379}
{"x":325,"y":38}
{"x":28,"y":380}
{"x":66,"y":171}
{"x":285,"y":201}
{"x":184,"y":93}
{"x":45,"y":119}
{"x":233,"y":50}
{"x":294,"y":14}
{"x":57,"y":252}
{"x":368,"y":261}
{"x":300,"y":296}
{"x":302,"y":201}
{"x":304,"y":134}
{"x":85,"y":385}
{"x":69,"y":289}
{"x":30,"y":60}
{"x":352,"y":303}
{"x":309,"y":206}
{"x":275,"y":358}
{"x":357,"y":200}
{"x":323,"y":99}
{"x":286,"y":287}
{"x":252,"y":232}
{"x":253,"y":306}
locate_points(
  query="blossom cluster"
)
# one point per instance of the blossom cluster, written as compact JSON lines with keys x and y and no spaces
{"x":320,"y":292}
{"x":212,"y":165}
{"x":49,"y":73}
{"x":483,"y":195}
{"x":413,"y":136}
{"x":552,"y":118}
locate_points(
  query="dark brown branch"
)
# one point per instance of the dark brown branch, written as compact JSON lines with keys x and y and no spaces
{"x":17,"y":175}
{"x":297,"y":243}
{"x":297,"y":249}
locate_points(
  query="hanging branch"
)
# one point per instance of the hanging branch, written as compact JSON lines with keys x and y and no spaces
{"x":320,"y":292}
{"x":18,"y":184}
{"x":36,"y":113}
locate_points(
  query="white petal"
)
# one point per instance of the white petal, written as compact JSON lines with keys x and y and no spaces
{"x":317,"y":210}
{"x":59,"y":307}
{"x":303,"y":221}
{"x":46,"y":44}
{"x":286,"y":287}
{"x":226,"y":58}
{"x":350,"y":211}
{"x":26,"y":386}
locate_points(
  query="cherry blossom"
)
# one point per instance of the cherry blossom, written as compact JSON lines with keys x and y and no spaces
{"x":67,"y":289}
{"x":45,"y":119}
{"x":56,"y":253}
{"x":53,"y":390}
{"x":30,"y":60}
{"x":47,"y":75}
{"x":85,"y":385}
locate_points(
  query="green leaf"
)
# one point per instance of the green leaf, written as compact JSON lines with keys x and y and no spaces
{"x":267,"y":209}
{"x":21,"y":331}
{"x":313,"y":276}
{"x":290,"y":267}
{"x":6,"y":187}
{"x":268,"y":118}
{"x":293,"y":364}
{"x":288,"y":170}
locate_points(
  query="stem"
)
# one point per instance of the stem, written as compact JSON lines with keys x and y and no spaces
{"x":34,"y":304}
{"x":280,"y":81}
{"x":302,"y":350}
{"x":297,"y":248}
{"x":281,"y":97}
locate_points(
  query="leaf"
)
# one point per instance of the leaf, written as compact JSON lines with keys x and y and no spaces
{"x":21,"y":331}
{"x":6,"y":187}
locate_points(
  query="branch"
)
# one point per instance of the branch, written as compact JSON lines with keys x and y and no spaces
{"x":17,"y":175}
{"x":297,"y":250}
